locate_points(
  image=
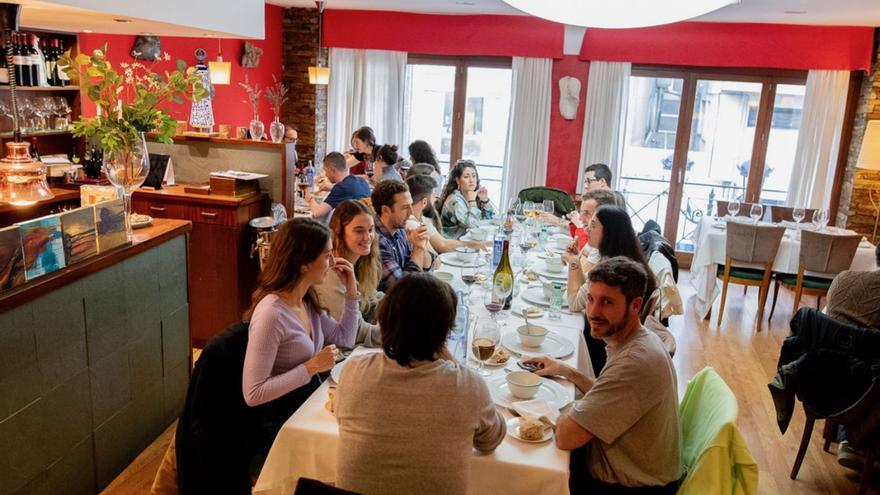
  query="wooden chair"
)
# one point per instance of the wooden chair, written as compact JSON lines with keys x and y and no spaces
{"x":780,"y":213}
{"x":828,"y":254}
{"x":749,"y":244}
{"x":744,"y":209}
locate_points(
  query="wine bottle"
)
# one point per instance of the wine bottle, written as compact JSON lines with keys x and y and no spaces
{"x":34,"y":58}
{"x":504,"y":274}
{"x":22,"y":76}
{"x":4,"y":73}
{"x":49,"y":61}
{"x":63,"y":80}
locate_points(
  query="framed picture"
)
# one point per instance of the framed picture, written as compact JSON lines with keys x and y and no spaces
{"x":11,"y":258}
{"x":41,"y":240}
{"x":110,"y":223}
{"x":79,"y":234}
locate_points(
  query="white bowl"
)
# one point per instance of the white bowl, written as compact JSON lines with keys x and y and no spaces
{"x":466,"y":254}
{"x":531,"y":335}
{"x":444,"y":276}
{"x":523,"y":384}
{"x":554,"y":264}
{"x":478,"y":234}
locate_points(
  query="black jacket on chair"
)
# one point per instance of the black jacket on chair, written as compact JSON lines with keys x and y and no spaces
{"x":651,"y":241}
{"x":834,"y":369}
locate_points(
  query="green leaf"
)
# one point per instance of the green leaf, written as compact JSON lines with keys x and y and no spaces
{"x":181,"y":65}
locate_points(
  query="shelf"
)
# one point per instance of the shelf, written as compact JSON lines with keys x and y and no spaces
{"x":50,"y":89}
{"x":218,"y":140}
{"x":28,"y":135}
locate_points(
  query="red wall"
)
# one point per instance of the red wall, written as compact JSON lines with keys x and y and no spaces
{"x":565,"y":135}
{"x":228,"y":105}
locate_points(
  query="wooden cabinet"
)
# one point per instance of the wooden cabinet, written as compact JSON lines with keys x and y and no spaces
{"x":221,"y":271}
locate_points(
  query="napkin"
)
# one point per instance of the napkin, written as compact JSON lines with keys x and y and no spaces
{"x":538,"y":409}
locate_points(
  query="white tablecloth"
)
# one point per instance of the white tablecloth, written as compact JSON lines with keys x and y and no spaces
{"x":306,"y":445}
{"x":710,"y":251}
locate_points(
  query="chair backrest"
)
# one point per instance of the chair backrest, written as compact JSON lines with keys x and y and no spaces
{"x":780,"y":213}
{"x":744,"y":209}
{"x":750,"y":243}
{"x":827,"y":253}
{"x":562,"y":202}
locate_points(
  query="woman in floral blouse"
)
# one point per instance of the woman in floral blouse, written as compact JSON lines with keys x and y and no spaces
{"x":463,"y":201}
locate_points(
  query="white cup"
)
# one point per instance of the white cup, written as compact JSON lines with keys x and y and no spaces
{"x":531,"y":335}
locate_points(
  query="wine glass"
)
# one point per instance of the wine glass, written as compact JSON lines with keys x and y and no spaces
{"x":733,"y":208}
{"x":798,"y":214}
{"x":128,"y":169}
{"x":820,"y":219}
{"x":469,"y":277}
{"x":496,"y":297}
{"x":486,"y":338}
{"x":756,"y":212}
{"x":549,"y":206}
{"x":519,"y":213}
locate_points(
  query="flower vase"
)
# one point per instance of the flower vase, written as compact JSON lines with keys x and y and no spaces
{"x":127,"y":169}
{"x":257,"y":129}
{"x":276,"y":130}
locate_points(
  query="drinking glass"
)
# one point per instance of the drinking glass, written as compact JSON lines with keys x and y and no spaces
{"x":128,"y":170}
{"x":820,"y":219}
{"x":469,"y":277}
{"x":529,"y":209}
{"x":756,"y":212}
{"x":549,"y":207}
{"x":733,"y":208}
{"x":798,"y":214}
{"x":519,"y":212}
{"x":486,"y":338}
{"x":495,"y":298}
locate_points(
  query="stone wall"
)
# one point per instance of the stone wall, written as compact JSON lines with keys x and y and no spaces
{"x":855,"y":209}
{"x":300,"y":49}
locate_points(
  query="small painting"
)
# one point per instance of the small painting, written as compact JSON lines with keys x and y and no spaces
{"x":41,"y":240}
{"x":110,"y":222}
{"x":79,"y":234}
{"x":11,"y":258}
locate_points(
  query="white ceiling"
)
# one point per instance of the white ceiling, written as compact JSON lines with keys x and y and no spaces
{"x":825,"y":12}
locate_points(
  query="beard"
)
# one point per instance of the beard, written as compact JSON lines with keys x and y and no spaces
{"x":610,"y":328}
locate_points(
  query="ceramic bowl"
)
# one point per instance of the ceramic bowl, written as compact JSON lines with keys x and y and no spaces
{"x":523,"y":384}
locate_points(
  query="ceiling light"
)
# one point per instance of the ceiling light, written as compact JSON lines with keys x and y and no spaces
{"x":318,"y":74}
{"x":618,"y":14}
{"x":87,"y":30}
{"x":123,"y":21}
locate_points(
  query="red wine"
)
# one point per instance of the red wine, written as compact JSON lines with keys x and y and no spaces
{"x":494,"y":307}
{"x":483,"y":348}
{"x":469,"y":279}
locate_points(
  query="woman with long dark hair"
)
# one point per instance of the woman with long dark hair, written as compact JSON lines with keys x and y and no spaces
{"x":464,"y":202}
{"x":385,"y":160}
{"x":363,"y":140}
{"x":421,"y":152}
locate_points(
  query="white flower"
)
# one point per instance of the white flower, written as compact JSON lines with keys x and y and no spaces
{"x":99,"y":53}
{"x":166,"y":56}
{"x":124,"y":65}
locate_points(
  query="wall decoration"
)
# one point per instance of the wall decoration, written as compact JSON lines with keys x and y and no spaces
{"x":11,"y":258}
{"x":250,"y":57}
{"x":110,"y":223}
{"x":569,"y":97}
{"x":41,"y":240}
{"x":147,"y":48}
{"x":79,"y":234}
{"x":202,"y":113}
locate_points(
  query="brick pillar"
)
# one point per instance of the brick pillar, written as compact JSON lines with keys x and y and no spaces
{"x":306,"y":108}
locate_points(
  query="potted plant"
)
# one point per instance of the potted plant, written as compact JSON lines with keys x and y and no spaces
{"x":256,"y":127}
{"x":127,"y":107}
{"x":277,"y":95}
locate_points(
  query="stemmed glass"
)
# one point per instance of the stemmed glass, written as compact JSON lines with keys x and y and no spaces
{"x":469,"y":277}
{"x":549,"y":206}
{"x":128,"y":170}
{"x":496,"y":296}
{"x":756,"y":212}
{"x":820,"y":219}
{"x":733,"y":208}
{"x":798,"y":214}
{"x":486,"y":338}
{"x":518,"y":212}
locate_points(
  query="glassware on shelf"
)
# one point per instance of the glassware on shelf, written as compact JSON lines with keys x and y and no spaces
{"x":276,"y":130}
{"x":733,"y":208}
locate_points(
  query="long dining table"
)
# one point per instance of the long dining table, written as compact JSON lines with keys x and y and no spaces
{"x":307,"y":443}
{"x":709,"y":253}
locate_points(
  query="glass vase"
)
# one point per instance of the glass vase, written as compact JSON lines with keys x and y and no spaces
{"x":257,"y":129}
{"x":276,"y":130}
{"x":127,"y":169}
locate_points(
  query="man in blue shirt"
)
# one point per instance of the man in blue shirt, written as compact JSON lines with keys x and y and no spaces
{"x":345,"y":186}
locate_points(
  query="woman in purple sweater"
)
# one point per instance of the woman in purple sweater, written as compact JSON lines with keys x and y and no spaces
{"x":288,"y":327}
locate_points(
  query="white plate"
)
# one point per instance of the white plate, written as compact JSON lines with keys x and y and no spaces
{"x":451,"y":259}
{"x":549,"y":390}
{"x":555,"y":249}
{"x":513,"y":430}
{"x":535,"y":295}
{"x":142,"y":223}
{"x":518,"y":312}
{"x":543,"y":270}
{"x":554,"y":345}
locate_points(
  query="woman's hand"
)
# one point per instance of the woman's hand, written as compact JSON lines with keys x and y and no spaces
{"x":547,"y":366}
{"x":483,"y":193}
{"x":345,"y":270}
{"x":322,"y":361}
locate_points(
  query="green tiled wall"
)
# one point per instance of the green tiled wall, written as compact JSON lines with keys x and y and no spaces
{"x":92,"y":373}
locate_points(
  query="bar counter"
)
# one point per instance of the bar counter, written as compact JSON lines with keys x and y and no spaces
{"x":94,"y":364}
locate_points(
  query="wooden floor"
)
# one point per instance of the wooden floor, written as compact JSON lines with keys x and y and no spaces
{"x":745,"y":359}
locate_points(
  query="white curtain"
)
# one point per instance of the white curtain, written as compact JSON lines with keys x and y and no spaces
{"x":818,"y":143}
{"x":366,"y":88}
{"x":605,"y":117}
{"x":528,"y":133}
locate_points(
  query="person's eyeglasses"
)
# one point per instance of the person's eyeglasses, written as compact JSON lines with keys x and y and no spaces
{"x":590,"y":180}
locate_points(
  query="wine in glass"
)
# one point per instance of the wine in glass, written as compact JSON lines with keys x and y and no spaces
{"x":486,"y":338}
{"x":733,"y":208}
{"x":469,"y":277}
{"x":529,"y":209}
{"x":756,"y":212}
{"x":798,"y":214}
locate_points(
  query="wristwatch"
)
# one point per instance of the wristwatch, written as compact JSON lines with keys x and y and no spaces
{"x":573,"y":265}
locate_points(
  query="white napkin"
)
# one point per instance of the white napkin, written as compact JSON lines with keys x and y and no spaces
{"x":538,"y":409}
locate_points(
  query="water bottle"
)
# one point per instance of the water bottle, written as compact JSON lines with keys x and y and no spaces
{"x":457,"y":339}
{"x":310,"y":175}
{"x":497,"y":247}
{"x":555,"y":312}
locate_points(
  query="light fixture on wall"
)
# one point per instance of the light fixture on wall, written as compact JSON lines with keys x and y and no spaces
{"x":319,"y":75}
{"x":22,"y":180}
{"x":618,"y":14}
{"x":220,"y":70}
{"x":869,"y":159}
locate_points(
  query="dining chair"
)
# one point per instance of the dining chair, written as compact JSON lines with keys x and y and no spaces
{"x":828,"y":254}
{"x":749,"y":244}
{"x":780,"y":213}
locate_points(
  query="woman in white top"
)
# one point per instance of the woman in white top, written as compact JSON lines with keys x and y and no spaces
{"x":421,"y":188}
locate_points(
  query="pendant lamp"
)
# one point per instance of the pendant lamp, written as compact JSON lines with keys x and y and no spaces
{"x":219,"y":70}
{"x":319,"y":75}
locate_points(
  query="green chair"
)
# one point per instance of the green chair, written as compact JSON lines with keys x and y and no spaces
{"x":713,"y":453}
{"x":562,"y":202}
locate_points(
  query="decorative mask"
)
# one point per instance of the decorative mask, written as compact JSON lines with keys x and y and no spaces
{"x":569,"y":97}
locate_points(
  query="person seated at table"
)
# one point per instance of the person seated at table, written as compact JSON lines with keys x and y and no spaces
{"x":363,"y":140}
{"x":410,"y":417}
{"x":421,"y":188}
{"x":625,"y":428}
{"x":288,"y":328}
{"x":354,"y":239}
{"x":421,"y":152}
{"x":385,"y":158}
{"x":599,"y":176}
{"x":587,"y":256}
{"x":464,"y":201}
{"x":401,"y":250}
{"x":345,"y":186}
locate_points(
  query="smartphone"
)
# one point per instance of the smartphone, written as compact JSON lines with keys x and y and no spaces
{"x":527,"y":366}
